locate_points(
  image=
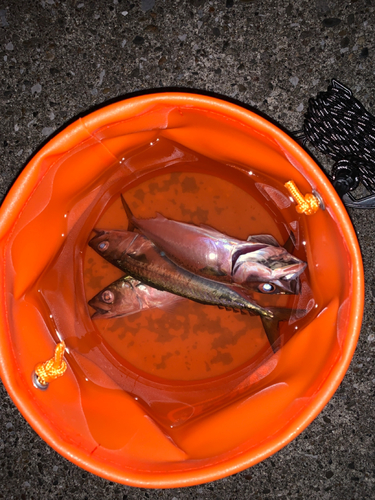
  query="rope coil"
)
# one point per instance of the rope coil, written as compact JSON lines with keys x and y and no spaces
{"x":308,"y":204}
{"x":338,"y":125}
{"x":51,"y":369}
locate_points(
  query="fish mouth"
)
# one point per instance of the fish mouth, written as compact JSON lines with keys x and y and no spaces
{"x":98,"y":232}
{"x":98,"y":312}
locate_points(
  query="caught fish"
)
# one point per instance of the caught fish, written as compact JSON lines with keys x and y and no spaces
{"x":139,"y":257}
{"x":127,"y":296}
{"x":259,"y":264}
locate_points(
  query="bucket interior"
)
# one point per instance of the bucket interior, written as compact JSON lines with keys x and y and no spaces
{"x":184,"y":387}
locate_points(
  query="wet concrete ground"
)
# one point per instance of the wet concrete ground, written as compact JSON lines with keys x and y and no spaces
{"x":59,"y":59}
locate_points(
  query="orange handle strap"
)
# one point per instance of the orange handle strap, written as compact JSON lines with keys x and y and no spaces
{"x":53,"y":368}
{"x":308,"y":204}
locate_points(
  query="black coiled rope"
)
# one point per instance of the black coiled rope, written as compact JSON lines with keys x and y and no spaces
{"x":338,"y":125}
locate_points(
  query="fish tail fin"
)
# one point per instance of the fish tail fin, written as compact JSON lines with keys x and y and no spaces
{"x":271,"y":325}
{"x":129,"y":215}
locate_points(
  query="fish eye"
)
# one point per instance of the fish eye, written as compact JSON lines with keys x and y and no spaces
{"x":108,"y":297}
{"x":103,"y":245}
{"x":266,"y":288}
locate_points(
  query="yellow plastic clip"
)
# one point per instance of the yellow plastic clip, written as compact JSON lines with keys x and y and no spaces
{"x":308,"y":204}
{"x":51,"y":369}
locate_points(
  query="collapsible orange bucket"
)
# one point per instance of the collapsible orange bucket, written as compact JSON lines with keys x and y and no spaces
{"x":190,"y":393}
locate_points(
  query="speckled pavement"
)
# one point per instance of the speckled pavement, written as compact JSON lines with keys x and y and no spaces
{"x":59,"y":59}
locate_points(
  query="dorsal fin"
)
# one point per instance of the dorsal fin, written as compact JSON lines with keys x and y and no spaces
{"x":129,"y":215}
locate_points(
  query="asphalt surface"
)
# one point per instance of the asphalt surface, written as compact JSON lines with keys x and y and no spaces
{"x":59,"y":59}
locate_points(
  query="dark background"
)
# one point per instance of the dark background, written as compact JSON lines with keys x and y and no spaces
{"x":59,"y":59}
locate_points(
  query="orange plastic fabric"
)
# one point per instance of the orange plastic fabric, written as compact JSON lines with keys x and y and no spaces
{"x":292,"y":388}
